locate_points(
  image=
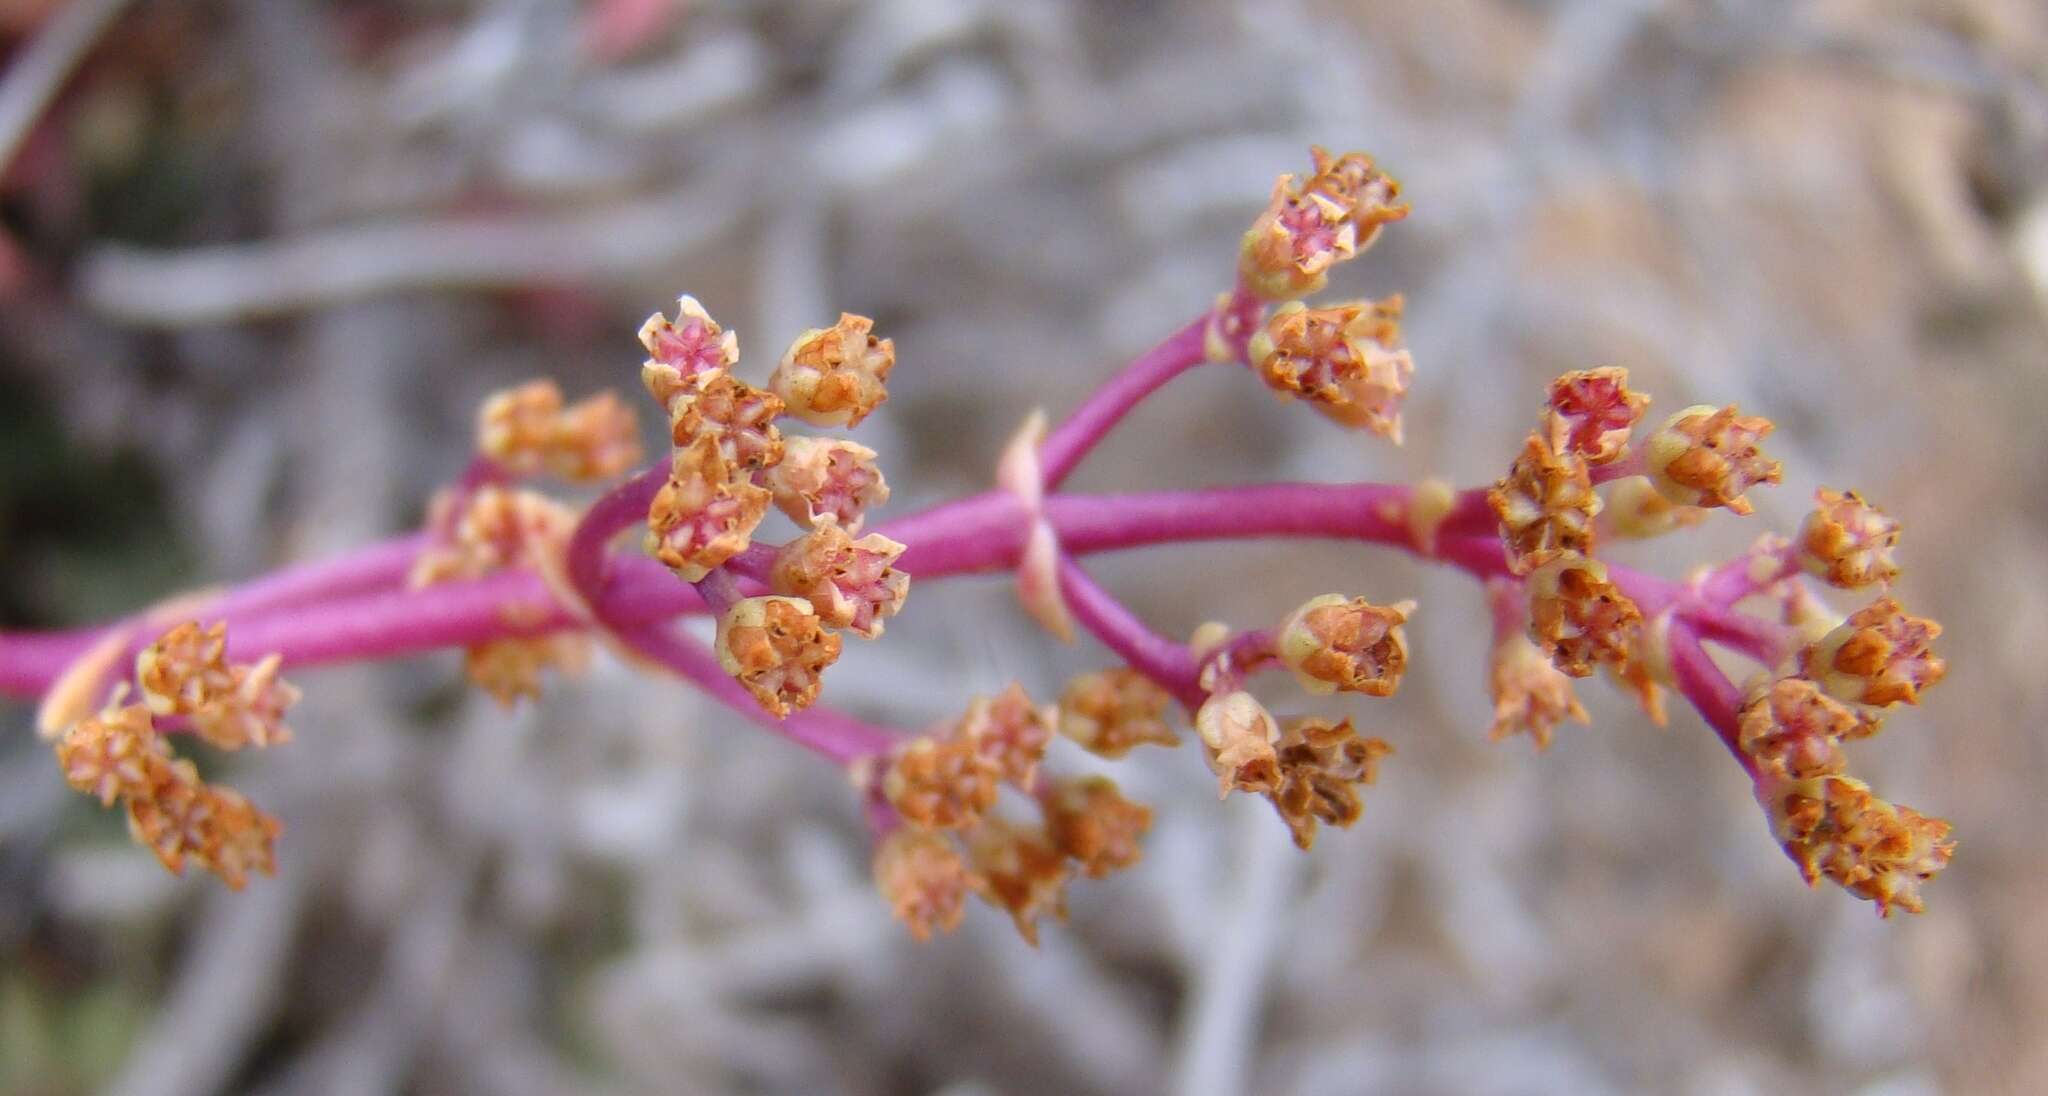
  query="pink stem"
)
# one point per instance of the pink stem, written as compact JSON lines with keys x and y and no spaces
{"x":836,"y":736}
{"x":1169,"y":663}
{"x":1634,"y":464}
{"x":1750,"y":573}
{"x":27,"y":659}
{"x":1708,"y":689}
{"x":1093,"y":420}
{"x":617,"y":510}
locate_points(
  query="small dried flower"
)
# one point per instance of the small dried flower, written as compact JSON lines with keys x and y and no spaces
{"x":1577,"y":616}
{"x":924,"y":879}
{"x":1018,"y":869}
{"x":1832,"y":826}
{"x":185,"y":672}
{"x":119,"y":755}
{"x":850,"y":583}
{"x":778,"y":648}
{"x":1545,"y":504}
{"x":510,"y":669}
{"x":1322,"y":765}
{"x":682,"y":351}
{"x":1592,"y":412}
{"x":1338,"y":212}
{"x":705,"y":514}
{"x":1111,"y":712}
{"x":1637,"y":510}
{"x":1794,"y":731}
{"x":1879,"y":656}
{"x":1346,"y":360}
{"x":1530,"y":696}
{"x":527,"y":430}
{"x":835,"y":376}
{"x":1011,"y":732}
{"x":739,"y":416}
{"x":110,"y":756}
{"x":1332,"y":642}
{"x":940,"y":784}
{"x":1703,"y":456}
{"x":1848,"y":542}
{"x":1092,"y":823}
{"x":1238,"y":733}
{"x":827,"y":478}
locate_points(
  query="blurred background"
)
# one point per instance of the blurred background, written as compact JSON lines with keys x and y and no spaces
{"x":260,"y":260}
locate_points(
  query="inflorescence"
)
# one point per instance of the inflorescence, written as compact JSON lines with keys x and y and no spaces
{"x":523,"y":583}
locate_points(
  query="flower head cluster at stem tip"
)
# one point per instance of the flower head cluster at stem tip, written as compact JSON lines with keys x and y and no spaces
{"x":731,"y":461}
{"x":523,"y":584}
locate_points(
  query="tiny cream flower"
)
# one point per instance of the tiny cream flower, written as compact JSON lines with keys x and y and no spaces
{"x":778,"y":649}
{"x":1704,"y":456}
{"x":1337,"y":643}
{"x":838,"y":375}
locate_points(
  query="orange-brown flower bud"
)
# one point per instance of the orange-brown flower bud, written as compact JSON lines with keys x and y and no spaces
{"x":682,"y":352}
{"x":1092,"y":823}
{"x":924,"y":879}
{"x":119,"y":755}
{"x":838,"y":375}
{"x":941,"y":784}
{"x":1833,"y":826}
{"x":185,"y":672}
{"x":181,"y":817}
{"x":1322,"y":765}
{"x":1592,"y":412}
{"x":739,"y":416}
{"x":705,"y":514}
{"x":1332,"y":642}
{"x":111,"y":756}
{"x":1018,"y":869}
{"x":1703,"y":456}
{"x":510,"y":669}
{"x":1530,"y":696}
{"x":1238,"y":735}
{"x":527,"y":430}
{"x":1335,"y":214}
{"x":849,"y":582}
{"x":1794,"y":731}
{"x":1879,"y":656}
{"x":1111,"y":712}
{"x":1848,"y":542}
{"x":827,"y":478}
{"x":1346,"y":360}
{"x":1011,"y":732}
{"x":1546,"y":503}
{"x":1577,"y":616}
{"x":1637,"y":510}
{"x":778,"y":648}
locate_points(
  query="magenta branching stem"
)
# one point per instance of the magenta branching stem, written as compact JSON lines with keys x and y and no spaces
{"x":1065,"y":446}
{"x":1708,"y":690}
{"x":356,"y":607}
{"x":616,"y":510}
{"x":1164,"y":660}
{"x":837,"y":737}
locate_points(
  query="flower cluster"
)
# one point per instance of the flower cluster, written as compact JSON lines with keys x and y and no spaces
{"x":527,"y":431}
{"x":1307,"y":229}
{"x":943,"y":804}
{"x":121,"y":754}
{"x":1791,"y":730}
{"x":731,"y":460}
{"x":944,"y":787}
{"x":494,"y":529}
{"x":1791,"y":727}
